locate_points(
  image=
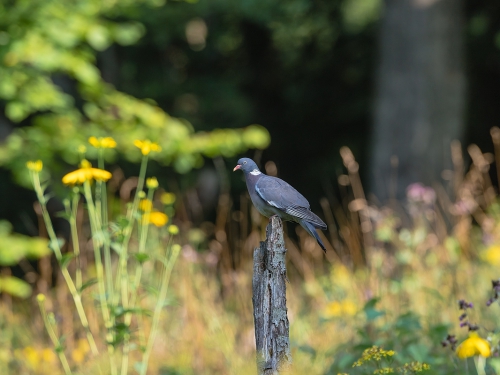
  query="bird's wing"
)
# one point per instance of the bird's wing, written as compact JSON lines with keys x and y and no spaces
{"x":283,"y":196}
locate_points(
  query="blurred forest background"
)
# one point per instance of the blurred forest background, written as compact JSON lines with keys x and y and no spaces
{"x":318,"y":75}
{"x":390,"y":102}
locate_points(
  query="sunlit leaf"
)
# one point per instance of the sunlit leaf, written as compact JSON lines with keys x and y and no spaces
{"x":15,"y":287}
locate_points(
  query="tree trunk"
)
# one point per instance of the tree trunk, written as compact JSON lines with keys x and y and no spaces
{"x":420,"y":94}
{"x":269,"y":302}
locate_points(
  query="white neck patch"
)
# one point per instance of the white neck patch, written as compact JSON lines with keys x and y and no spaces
{"x":255,"y":172}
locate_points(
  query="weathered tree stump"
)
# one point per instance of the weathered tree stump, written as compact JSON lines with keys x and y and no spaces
{"x":269,"y":302}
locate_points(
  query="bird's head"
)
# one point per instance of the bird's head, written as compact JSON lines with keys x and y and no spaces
{"x":247,"y":166}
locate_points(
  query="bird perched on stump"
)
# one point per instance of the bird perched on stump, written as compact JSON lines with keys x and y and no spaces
{"x":273,"y":196}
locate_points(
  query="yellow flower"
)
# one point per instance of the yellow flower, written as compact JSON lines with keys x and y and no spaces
{"x":86,"y":173}
{"x":333,"y":309}
{"x":40,"y":297}
{"x":168,"y":198}
{"x":32,"y":356}
{"x":492,"y":255}
{"x":82,"y":149}
{"x":152,"y":183}
{"x":48,"y":355}
{"x":82,"y":348}
{"x":349,"y":307}
{"x":145,"y":205}
{"x":102,"y":142}
{"x":173,"y":229}
{"x":35,"y":166}
{"x":472,"y":346}
{"x":373,"y":354}
{"x":336,"y":309}
{"x":147,"y":146}
{"x":158,"y":219}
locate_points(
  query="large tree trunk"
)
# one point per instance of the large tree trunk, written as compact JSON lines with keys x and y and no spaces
{"x":419,"y":104}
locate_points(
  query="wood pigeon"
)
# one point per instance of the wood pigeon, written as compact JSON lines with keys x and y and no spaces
{"x":273,"y":196}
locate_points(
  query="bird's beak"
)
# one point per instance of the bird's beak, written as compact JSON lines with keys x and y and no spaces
{"x":237,"y":167}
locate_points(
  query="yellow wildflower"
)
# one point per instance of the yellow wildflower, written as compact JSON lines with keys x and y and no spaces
{"x":86,"y":173}
{"x":492,"y":255}
{"x":102,"y":142}
{"x":333,"y":309}
{"x":82,"y":348}
{"x":145,"y":205}
{"x":82,"y":149}
{"x":384,"y":370}
{"x":173,"y":229}
{"x":35,"y":166}
{"x":48,"y":355}
{"x":147,"y":146}
{"x":472,"y":346}
{"x":40,"y":297}
{"x":373,"y":354}
{"x":152,"y":183}
{"x":158,"y":219}
{"x":32,"y":356}
{"x":336,"y":309}
{"x":349,"y":308}
{"x":413,"y":367}
{"x":168,"y":198}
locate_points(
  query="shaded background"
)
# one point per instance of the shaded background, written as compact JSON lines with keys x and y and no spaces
{"x":383,"y":78}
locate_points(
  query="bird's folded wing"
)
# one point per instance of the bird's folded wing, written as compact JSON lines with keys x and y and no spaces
{"x":283,"y":196}
{"x":279,"y":193}
{"x":308,"y":215}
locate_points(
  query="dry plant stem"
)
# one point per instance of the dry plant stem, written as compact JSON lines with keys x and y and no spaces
{"x":103,"y":300}
{"x":169,"y":264}
{"x":64,"y":270}
{"x":53,"y":337}
{"x":269,"y":301}
{"x":143,"y":235}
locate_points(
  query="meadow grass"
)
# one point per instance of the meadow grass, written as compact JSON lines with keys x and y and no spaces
{"x":391,"y":278}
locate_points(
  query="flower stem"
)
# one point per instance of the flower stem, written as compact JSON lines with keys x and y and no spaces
{"x":170,"y":261}
{"x":56,"y":247}
{"x":480,"y":363}
{"x":103,"y":299}
{"x":53,"y":337}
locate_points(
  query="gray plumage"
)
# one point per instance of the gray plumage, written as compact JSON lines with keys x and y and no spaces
{"x":273,"y":196}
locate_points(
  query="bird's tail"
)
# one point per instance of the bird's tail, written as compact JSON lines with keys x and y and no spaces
{"x":312,"y":231}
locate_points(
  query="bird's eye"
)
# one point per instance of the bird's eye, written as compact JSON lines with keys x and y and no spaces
{"x":244,"y":162}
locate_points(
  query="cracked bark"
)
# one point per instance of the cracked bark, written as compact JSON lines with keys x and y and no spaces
{"x":269,"y":302}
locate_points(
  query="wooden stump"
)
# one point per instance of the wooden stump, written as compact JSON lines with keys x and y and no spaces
{"x":269,"y":302}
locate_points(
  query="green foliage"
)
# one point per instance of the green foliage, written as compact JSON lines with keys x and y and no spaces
{"x":14,"y":247}
{"x":49,"y":76}
{"x":413,"y":345}
{"x":15,"y":286}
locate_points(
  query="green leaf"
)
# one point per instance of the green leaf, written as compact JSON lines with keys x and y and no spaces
{"x":128,"y":33}
{"x":136,"y":311}
{"x":98,"y":37}
{"x":139,"y":367}
{"x":66,"y":258}
{"x":15,"y":287}
{"x":371,"y":312}
{"x":151,"y":290}
{"x":141,"y":257}
{"x":117,"y":247}
{"x":57,"y":244}
{"x":88,"y":284}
